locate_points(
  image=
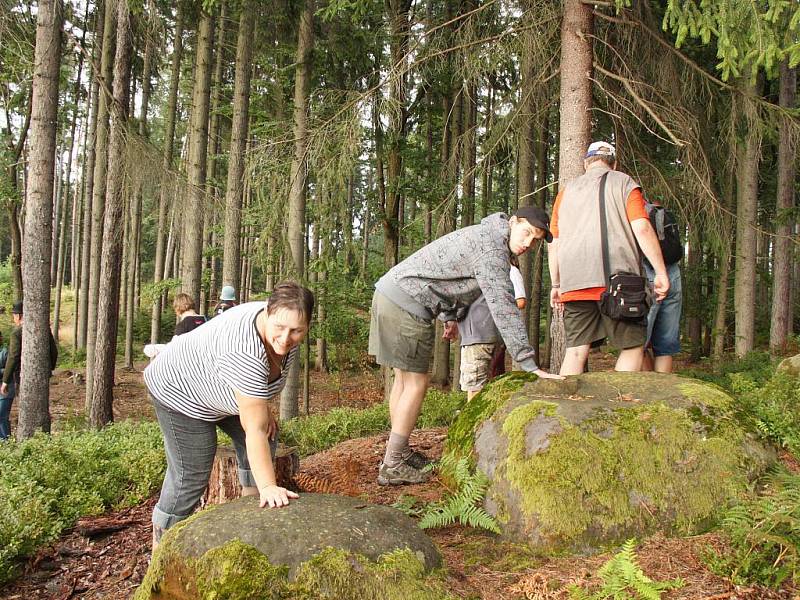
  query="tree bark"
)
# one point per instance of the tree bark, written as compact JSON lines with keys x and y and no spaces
{"x":744,"y":290}
{"x":62,"y":249}
{"x":34,"y":392}
{"x":198,"y":148}
{"x":575,"y":128}
{"x":169,"y":147}
{"x":101,"y":406}
{"x":88,"y":191}
{"x":136,"y":208}
{"x":231,"y":257}
{"x":399,"y":29}
{"x":781,"y":323}
{"x":297,"y":193}
{"x":99,"y":190}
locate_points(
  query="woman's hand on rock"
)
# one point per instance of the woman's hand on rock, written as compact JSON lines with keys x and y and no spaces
{"x":274,"y":496}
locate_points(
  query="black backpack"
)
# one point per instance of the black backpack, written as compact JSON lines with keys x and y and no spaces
{"x":668,"y":232}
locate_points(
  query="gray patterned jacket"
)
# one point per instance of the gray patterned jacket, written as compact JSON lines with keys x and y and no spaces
{"x":443,"y":278}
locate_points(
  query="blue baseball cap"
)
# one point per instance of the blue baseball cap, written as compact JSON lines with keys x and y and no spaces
{"x":601,"y":149}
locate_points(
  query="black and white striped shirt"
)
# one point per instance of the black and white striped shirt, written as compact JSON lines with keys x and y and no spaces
{"x":196,"y":373}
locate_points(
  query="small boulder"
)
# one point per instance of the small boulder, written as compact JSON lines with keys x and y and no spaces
{"x":601,"y":457}
{"x":790,"y":365}
{"x":320,"y":546}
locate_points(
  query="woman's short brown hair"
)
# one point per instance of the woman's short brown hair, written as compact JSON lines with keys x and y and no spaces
{"x":182,"y":303}
{"x":290,"y":295}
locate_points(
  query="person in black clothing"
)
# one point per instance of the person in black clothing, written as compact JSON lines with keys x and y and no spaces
{"x":11,"y":373}
{"x":188,"y":319}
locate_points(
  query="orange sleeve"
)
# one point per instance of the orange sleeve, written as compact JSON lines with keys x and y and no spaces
{"x":554,"y":217}
{"x":634,"y":207}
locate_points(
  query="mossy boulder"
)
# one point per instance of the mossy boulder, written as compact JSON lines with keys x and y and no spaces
{"x":790,"y":365}
{"x":601,"y":457}
{"x":320,"y":546}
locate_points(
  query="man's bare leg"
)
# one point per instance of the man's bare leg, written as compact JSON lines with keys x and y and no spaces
{"x":574,"y":359}
{"x":663,"y":364}
{"x":405,"y":403}
{"x":630,"y":360}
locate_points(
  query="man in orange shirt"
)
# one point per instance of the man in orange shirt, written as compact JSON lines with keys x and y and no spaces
{"x":576,"y":263}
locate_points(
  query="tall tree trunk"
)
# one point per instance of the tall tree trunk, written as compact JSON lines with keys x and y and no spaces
{"x":535,"y":304}
{"x":526,"y":157}
{"x":399,"y":29}
{"x":575,"y":127}
{"x":297,"y":193}
{"x":169,"y":147}
{"x":198,"y":146}
{"x":88,"y":191}
{"x":62,"y":249}
{"x":781,"y":323}
{"x":231,"y":258}
{"x":34,"y":392}
{"x":77,"y":235}
{"x":13,"y":202}
{"x":99,"y":190}
{"x":488,"y":157}
{"x":136,"y":214}
{"x":744,"y":290}
{"x":101,"y":406}
{"x":321,"y":359}
{"x":694,"y":297}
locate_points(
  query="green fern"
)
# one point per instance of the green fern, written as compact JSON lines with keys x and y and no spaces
{"x":623,"y":579}
{"x":764,"y":536}
{"x":464,"y":504}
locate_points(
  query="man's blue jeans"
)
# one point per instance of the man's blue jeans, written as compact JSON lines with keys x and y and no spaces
{"x":5,"y":413}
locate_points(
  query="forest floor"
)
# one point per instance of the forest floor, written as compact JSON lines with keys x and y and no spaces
{"x":107,"y":556}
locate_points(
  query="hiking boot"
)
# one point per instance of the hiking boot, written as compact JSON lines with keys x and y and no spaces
{"x":400,"y":474}
{"x":416,"y":459}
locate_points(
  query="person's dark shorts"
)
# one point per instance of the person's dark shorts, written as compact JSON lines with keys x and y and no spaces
{"x":584,"y":324}
{"x":399,"y":339}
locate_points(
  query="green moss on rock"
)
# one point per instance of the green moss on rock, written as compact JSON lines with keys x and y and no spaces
{"x":593,"y":460}
{"x":237,"y":571}
{"x":461,"y":435}
{"x":623,"y":471}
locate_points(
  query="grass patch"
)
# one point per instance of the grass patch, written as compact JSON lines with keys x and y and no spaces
{"x":48,"y":482}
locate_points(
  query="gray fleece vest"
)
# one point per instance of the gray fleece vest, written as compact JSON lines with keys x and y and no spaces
{"x":580,"y":257}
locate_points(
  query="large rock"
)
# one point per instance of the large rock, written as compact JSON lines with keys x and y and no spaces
{"x":320,"y":546}
{"x":790,"y":365}
{"x":601,"y":457}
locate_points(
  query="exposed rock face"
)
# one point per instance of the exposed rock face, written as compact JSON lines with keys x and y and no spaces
{"x":602,"y":457}
{"x":320,"y":546}
{"x":790,"y":365}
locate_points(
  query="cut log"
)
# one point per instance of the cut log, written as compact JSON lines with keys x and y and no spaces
{"x":223,"y":483}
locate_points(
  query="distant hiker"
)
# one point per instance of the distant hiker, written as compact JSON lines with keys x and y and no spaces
{"x":188,"y":319}
{"x":480,"y":338}
{"x":11,"y":373}
{"x":227,"y":299}
{"x":223,"y":375}
{"x":6,"y":399}
{"x":441,"y":280}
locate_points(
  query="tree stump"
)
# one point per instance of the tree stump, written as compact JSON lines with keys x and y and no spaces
{"x":223,"y":483}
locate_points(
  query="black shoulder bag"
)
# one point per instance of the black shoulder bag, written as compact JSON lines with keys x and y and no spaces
{"x":627,"y":295}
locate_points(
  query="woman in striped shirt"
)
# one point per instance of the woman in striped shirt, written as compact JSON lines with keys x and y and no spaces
{"x":221,"y":375}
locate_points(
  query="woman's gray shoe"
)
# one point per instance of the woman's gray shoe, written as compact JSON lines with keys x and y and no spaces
{"x":401,"y":474}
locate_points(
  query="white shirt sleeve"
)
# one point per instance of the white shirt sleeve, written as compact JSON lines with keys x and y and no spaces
{"x":518,"y":282}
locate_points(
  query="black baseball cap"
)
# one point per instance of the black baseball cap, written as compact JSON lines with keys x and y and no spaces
{"x":536,"y":217}
{"x":17,"y":308}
